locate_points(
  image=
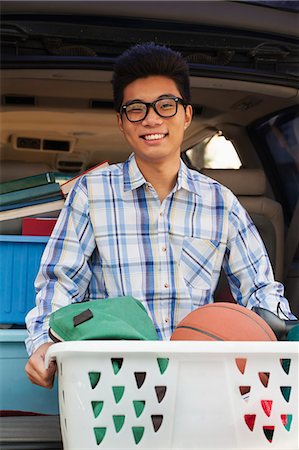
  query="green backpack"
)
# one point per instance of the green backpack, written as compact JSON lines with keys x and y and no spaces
{"x":111,"y":318}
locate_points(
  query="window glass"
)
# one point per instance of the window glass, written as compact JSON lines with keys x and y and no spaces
{"x":279,"y":136}
{"x":215,"y":152}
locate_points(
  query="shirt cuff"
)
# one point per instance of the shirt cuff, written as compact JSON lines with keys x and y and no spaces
{"x":34,"y":344}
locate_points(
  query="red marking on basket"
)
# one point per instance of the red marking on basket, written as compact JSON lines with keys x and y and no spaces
{"x":286,"y":420}
{"x":264,"y":378}
{"x":267,"y":406}
{"x":250,"y":420}
{"x":244,"y":391}
{"x":241,"y":364}
{"x":268,"y":432}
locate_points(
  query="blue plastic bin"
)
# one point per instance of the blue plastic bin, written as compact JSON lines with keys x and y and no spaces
{"x":20,"y":260}
{"x":17,"y":393}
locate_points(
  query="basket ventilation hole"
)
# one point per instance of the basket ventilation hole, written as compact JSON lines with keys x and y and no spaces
{"x":60,"y":372}
{"x":140,"y":378}
{"x":94,"y":378}
{"x":118,"y":392}
{"x":116,"y":364}
{"x":285,"y":364}
{"x":163,"y":364}
{"x":264,"y":378}
{"x":286,"y":392}
{"x":99,"y":434}
{"x":97,"y":407}
{"x":241,"y":364}
{"x":245,"y":390}
{"x":267,"y":406}
{"x":65,"y":423}
{"x":286,"y":421}
{"x":63,"y":396}
{"x":250,"y":420}
{"x":160,"y":392}
{"x":139,"y":407}
{"x":269,"y":431}
{"x":137,"y":433}
{"x":118,"y":422}
{"x":157,"y":421}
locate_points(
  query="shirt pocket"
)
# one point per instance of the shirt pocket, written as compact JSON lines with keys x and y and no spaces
{"x":198,"y":264}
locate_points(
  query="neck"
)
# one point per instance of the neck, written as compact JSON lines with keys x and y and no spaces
{"x":162,"y":176}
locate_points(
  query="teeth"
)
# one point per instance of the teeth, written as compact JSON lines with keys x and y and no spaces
{"x":152,"y":137}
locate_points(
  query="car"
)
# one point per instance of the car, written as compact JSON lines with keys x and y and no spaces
{"x":57,"y":116}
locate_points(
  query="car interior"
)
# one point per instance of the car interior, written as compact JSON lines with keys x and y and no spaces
{"x":67,"y":126}
{"x":57,"y":109}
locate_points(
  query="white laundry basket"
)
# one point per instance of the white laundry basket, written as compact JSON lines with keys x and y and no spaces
{"x":177,"y":395}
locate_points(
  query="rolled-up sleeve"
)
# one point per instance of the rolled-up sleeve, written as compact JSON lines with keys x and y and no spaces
{"x":248,"y":267}
{"x":65,"y":271}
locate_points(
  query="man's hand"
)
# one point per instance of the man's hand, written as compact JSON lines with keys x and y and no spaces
{"x":35,"y":368}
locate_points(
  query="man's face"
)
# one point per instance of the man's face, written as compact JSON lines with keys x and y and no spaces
{"x":155,"y":138}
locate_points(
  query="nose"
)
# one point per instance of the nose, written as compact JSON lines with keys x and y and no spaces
{"x":152,"y":118}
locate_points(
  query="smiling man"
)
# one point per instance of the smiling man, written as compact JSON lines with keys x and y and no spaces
{"x":149,"y":227}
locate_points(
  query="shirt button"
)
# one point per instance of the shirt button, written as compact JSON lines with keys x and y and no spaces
{"x":166,"y":320}
{"x":166,"y":285}
{"x":162,"y":213}
{"x":164,"y":249}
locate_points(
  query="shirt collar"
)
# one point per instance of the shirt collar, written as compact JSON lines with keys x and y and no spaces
{"x":133,"y":178}
{"x":187,"y":180}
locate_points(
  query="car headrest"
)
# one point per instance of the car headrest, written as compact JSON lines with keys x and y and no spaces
{"x":239,"y":181}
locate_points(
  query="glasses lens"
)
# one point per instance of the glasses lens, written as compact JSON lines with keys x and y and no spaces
{"x":166,"y":107}
{"x":136,"y":111}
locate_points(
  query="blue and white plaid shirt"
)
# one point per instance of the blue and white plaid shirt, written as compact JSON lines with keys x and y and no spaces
{"x":114,"y":237}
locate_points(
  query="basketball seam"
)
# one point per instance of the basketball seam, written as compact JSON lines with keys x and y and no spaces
{"x":255,"y":321}
{"x":201,"y":331}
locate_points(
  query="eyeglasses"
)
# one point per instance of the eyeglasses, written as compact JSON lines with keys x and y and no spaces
{"x":164,"y":107}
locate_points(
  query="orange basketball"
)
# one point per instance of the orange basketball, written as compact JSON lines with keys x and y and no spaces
{"x":223,"y":322}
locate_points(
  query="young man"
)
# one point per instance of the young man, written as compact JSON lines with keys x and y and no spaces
{"x":149,"y":227}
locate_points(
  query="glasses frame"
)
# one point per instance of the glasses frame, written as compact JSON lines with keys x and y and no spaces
{"x":178,"y":101}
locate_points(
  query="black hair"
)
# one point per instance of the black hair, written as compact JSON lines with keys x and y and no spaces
{"x":144,"y":60}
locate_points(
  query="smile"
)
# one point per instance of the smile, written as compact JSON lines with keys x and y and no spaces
{"x":153,"y":137}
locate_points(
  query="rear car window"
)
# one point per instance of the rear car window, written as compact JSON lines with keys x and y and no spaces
{"x":279,"y":151}
{"x":214,"y":152}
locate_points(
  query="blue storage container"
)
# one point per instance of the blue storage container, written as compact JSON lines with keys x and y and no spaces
{"x":20,"y":260}
{"x":17,"y":393}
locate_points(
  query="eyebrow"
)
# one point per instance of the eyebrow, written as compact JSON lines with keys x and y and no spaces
{"x":138,"y":100}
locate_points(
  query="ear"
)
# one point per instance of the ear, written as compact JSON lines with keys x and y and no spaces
{"x":119,"y":122}
{"x":188,"y":116}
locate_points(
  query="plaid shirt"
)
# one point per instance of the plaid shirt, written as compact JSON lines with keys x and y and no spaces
{"x":114,"y":237}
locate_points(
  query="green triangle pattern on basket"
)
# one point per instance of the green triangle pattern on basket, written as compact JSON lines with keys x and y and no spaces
{"x":139,"y":407}
{"x":116,"y":364}
{"x":287,"y":420}
{"x":94,"y":378}
{"x":138,"y":433}
{"x":286,"y":392}
{"x":99,"y":434}
{"x":97,"y":407}
{"x":163,"y":364}
{"x":118,"y":392}
{"x":118,"y":422}
{"x":285,"y":364}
